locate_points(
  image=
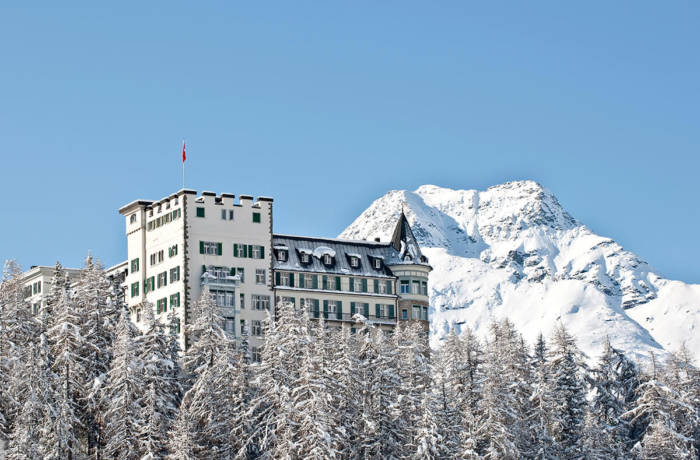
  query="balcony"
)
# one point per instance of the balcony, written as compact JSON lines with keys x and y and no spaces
{"x":332,"y":316}
{"x":221,"y":282}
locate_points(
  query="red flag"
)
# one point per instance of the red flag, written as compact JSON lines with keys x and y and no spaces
{"x":183,"y":152}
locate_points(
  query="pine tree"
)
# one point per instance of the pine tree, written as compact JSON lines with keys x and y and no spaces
{"x":69,"y":365}
{"x":94,"y":300}
{"x":428,"y":439}
{"x":206,"y":336}
{"x":160,"y":402}
{"x":567,"y":389}
{"x":614,"y":380}
{"x":121,"y":394}
{"x":542,"y":404}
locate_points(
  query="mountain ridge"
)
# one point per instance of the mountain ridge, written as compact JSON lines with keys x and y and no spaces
{"x":513,"y":250}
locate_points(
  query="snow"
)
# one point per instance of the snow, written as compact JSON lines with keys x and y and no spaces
{"x":321,"y":251}
{"x":513,"y":251}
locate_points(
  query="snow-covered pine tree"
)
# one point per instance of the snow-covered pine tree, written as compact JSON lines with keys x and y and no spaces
{"x":311,"y":430}
{"x":67,"y":343}
{"x":379,"y":432}
{"x":567,"y":390}
{"x":93,"y":298}
{"x":159,"y":403}
{"x":613,"y":380}
{"x":542,"y":404}
{"x":206,"y":337}
{"x":28,"y":440}
{"x":13,"y":339}
{"x":428,"y":440}
{"x":121,"y":393}
{"x":496,"y":424}
{"x":684,"y":378}
{"x":411,"y":344}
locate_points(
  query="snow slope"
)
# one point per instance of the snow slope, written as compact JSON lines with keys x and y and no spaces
{"x":513,"y":251}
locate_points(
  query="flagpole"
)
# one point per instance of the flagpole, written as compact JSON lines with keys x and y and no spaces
{"x":183,"y":163}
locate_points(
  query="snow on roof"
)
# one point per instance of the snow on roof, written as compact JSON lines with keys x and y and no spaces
{"x":305,"y":251}
{"x":353,"y":254}
{"x":280,"y":246}
{"x":321,"y":251}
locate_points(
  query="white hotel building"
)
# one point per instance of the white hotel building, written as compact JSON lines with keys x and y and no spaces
{"x":181,"y":243}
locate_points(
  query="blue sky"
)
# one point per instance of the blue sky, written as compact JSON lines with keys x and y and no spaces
{"x":327,"y":105}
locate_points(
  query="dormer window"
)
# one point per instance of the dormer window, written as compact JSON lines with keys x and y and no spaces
{"x":378,"y":264}
{"x":327,"y":259}
{"x":282,"y":255}
{"x":354,"y":262}
{"x":305,"y":258}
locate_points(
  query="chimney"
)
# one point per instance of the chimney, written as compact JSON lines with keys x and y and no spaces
{"x":376,"y":239}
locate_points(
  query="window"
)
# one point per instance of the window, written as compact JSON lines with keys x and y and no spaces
{"x":424,"y":315}
{"x":416,"y":312}
{"x":223,"y":298}
{"x":260,"y":277}
{"x":377,"y":264}
{"x":135,"y":265}
{"x":260,"y":302}
{"x":282,"y":255}
{"x":36,"y":308}
{"x":172,"y":251}
{"x":132,"y":218}
{"x":138,"y":315}
{"x":230,"y":214}
{"x":256,"y":217}
{"x":404,"y":314}
{"x":162,"y":306}
{"x":327,"y":259}
{"x":354,"y":262}
{"x":382,"y":288}
{"x":223,"y":214}
{"x":309,"y":281}
{"x":285,"y":279}
{"x":134,"y":289}
{"x":333,"y":307}
{"x":416,"y":287}
{"x":210,"y":248}
{"x":174,"y":274}
{"x":291,"y":300}
{"x":242,"y":301}
{"x":244,"y":330}
{"x":256,"y":355}
{"x":405,"y":286}
{"x":229,"y":326}
{"x":200,"y":212}
{"x":162,"y":279}
{"x":175,"y":300}
{"x":152,"y":259}
{"x":258,"y":252}
{"x":382,"y":311}
{"x":241,"y":274}
{"x":424,"y":287}
{"x":256,"y":328}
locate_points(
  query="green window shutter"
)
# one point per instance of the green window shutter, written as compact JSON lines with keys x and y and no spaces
{"x":277,"y":278}
{"x":376,"y":286}
{"x":388,"y":287}
{"x":352,"y":284}
{"x":232,"y":272}
{"x":337,"y":283}
{"x":204,"y":268}
{"x":256,"y":217}
{"x":301,"y":280}
{"x":245,"y":250}
{"x":325,"y":309}
{"x":340,"y":310}
{"x":315,"y":282}
{"x":250,"y":251}
{"x":262,"y":252}
{"x":201,"y":247}
{"x":366,"y":310}
{"x":235,"y":249}
{"x":316,"y":308}
{"x":324,"y":285}
{"x":364,"y":284}
{"x":352,"y":308}
{"x":376,"y":308}
{"x":391,"y":311}
{"x":291,"y":280}
{"x":219,"y":249}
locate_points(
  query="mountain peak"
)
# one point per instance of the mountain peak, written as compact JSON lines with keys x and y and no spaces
{"x":512,"y":250}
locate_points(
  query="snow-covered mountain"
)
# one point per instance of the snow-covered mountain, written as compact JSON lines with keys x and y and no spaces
{"x":513,"y":251}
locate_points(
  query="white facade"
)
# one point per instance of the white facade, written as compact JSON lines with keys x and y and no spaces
{"x":173,"y":242}
{"x":37,"y":284}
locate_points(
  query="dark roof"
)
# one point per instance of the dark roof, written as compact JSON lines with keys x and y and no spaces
{"x":342,"y":250}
